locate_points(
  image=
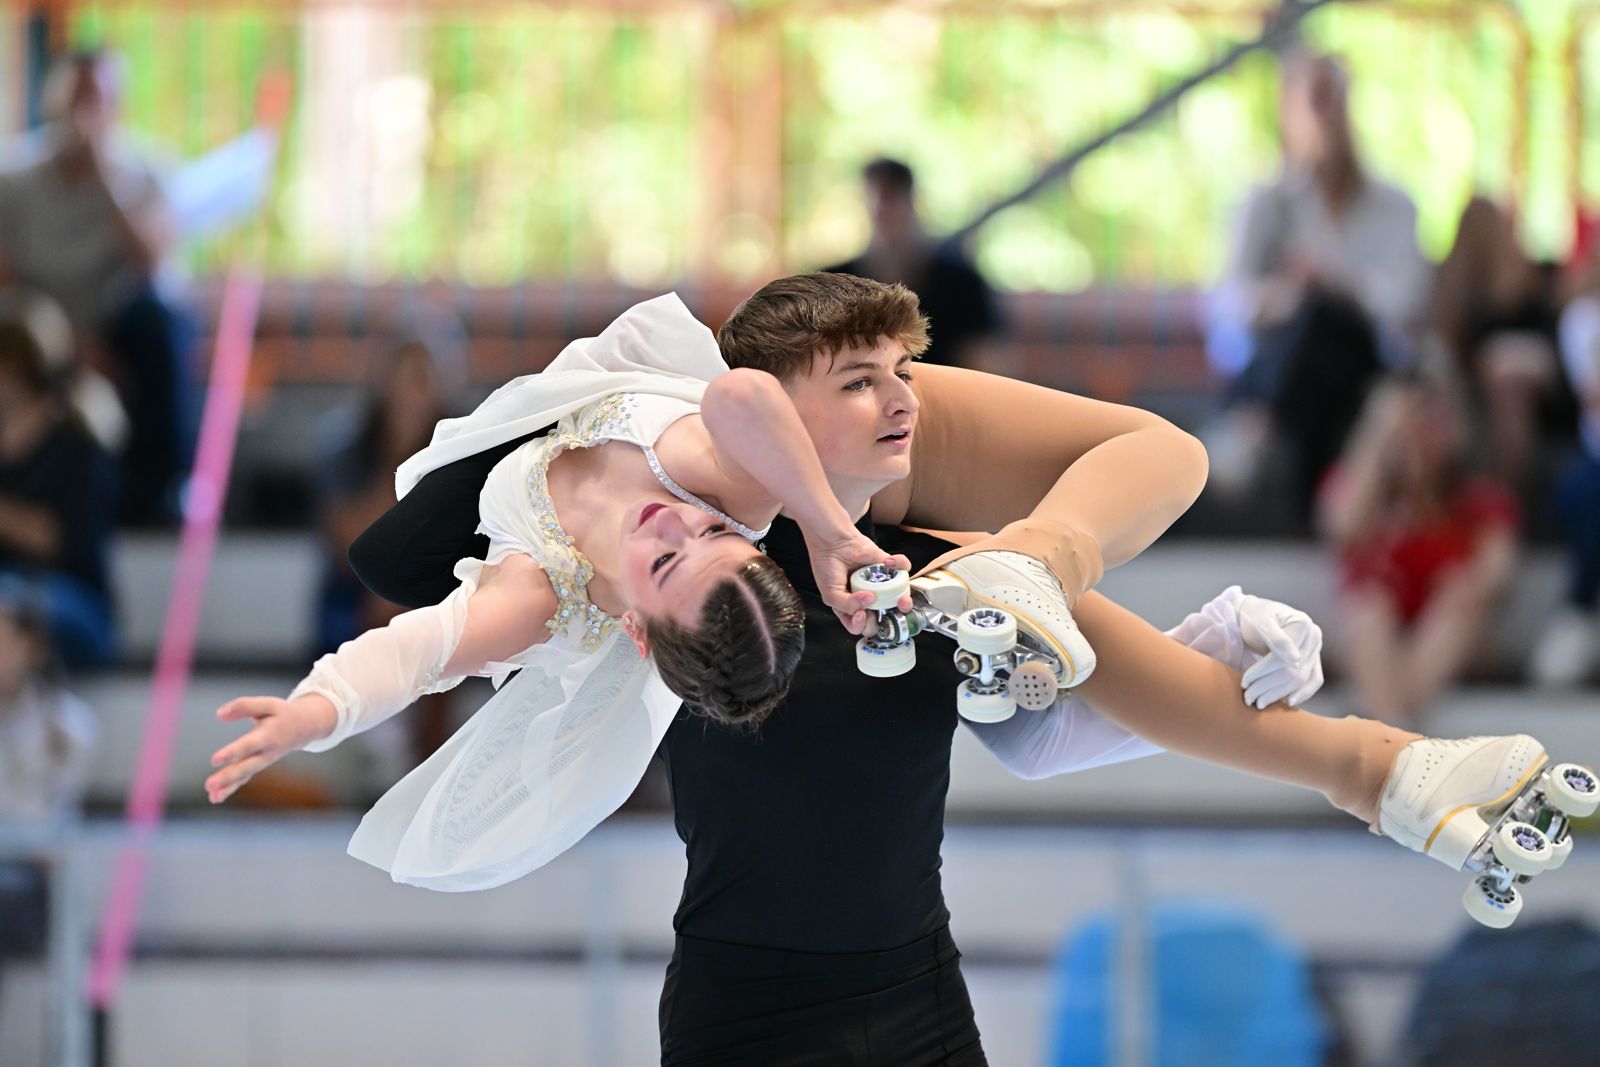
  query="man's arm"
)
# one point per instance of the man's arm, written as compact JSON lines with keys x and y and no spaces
{"x":989,"y":451}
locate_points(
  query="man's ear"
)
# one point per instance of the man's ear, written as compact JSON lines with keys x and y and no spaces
{"x":633,"y":626}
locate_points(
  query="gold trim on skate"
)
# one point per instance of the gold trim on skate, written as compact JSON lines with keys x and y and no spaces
{"x":1066,"y":657}
{"x":1506,"y":796}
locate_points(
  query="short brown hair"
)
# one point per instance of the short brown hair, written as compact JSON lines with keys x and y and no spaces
{"x":784,"y":324}
{"x":735,"y":666}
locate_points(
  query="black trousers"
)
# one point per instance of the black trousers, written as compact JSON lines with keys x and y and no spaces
{"x":728,"y":1005}
{"x":152,"y":341}
{"x":1313,"y":372}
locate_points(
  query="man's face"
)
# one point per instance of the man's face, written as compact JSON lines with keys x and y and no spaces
{"x":860,"y":414}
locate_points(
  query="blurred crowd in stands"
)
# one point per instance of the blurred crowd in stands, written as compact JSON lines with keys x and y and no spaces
{"x":1413,"y":414}
{"x":1417,"y":417}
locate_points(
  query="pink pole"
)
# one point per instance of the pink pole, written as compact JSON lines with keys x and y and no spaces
{"x":208,"y":486}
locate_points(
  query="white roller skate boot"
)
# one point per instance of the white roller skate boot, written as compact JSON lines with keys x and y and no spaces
{"x":1490,"y":806}
{"x":1017,"y":642}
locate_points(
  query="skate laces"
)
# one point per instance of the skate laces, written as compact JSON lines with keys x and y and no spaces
{"x":1045,"y":574}
{"x":1035,"y":569}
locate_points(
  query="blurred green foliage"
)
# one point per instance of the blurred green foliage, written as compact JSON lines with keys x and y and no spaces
{"x":653,"y":143}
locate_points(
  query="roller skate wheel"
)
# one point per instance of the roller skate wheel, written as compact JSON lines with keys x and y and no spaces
{"x":978,"y":706}
{"x":986,"y":631}
{"x":1573,"y":790}
{"x":1033,"y":686}
{"x":885,"y":661}
{"x":1522,"y":847}
{"x":1559,"y":851}
{"x":885,"y":584}
{"x":1491,"y":905}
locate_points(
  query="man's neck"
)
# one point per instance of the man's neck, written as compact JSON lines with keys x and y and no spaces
{"x":855,"y":497}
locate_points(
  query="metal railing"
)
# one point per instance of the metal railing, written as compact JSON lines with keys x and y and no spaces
{"x":56,"y":847}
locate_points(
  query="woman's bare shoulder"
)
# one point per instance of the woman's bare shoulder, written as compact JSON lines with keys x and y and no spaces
{"x":688,"y":454}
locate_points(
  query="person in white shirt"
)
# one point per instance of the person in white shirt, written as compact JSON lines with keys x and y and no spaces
{"x":1323,"y":284}
{"x":85,"y":218}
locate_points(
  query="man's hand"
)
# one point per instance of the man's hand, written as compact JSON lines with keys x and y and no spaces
{"x":833,"y":558}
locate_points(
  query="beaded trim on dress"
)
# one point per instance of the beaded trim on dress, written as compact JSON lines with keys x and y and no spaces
{"x":689,"y":498}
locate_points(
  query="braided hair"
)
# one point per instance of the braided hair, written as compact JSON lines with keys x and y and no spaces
{"x":735,"y":666}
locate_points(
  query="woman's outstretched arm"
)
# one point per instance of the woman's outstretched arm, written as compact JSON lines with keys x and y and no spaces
{"x":484,"y":622}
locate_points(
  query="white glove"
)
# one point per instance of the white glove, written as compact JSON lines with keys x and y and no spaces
{"x":1290,"y":647}
{"x":1277,"y":648}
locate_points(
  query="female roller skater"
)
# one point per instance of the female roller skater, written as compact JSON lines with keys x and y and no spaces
{"x":622,"y":580}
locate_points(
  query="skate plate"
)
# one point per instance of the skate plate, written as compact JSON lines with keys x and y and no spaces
{"x":1531,"y":835}
{"x":1004,"y":668}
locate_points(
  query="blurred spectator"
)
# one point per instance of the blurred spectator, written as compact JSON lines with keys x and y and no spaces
{"x":1424,"y":549}
{"x":46,"y":740}
{"x":1324,"y":281}
{"x":46,"y":734}
{"x":1501,"y":997}
{"x":87,"y":221}
{"x":1570,"y":646}
{"x":960,"y":306}
{"x":57,"y":485}
{"x":1494,"y":311}
{"x":408,"y":394}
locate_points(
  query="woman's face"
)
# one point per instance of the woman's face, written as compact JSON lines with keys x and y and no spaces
{"x":861,"y":415}
{"x":672,"y":555}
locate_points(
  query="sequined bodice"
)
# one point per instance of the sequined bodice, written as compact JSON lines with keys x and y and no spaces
{"x":616,"y":417}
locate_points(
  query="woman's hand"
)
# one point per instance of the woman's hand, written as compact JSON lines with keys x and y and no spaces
{"x":281,"y":727}
{"x":834,"y":557}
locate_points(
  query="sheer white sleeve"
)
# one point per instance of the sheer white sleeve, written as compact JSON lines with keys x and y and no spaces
{"x":1069,"y":736}
{"x":380,"y":673}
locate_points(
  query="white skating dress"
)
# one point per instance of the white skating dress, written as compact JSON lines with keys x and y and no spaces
{"x":576,"y":719}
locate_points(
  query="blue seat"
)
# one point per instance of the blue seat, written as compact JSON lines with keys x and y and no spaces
{"x":1225,"y":992}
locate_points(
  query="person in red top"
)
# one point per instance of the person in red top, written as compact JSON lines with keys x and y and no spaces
{"x":1424,"y":548}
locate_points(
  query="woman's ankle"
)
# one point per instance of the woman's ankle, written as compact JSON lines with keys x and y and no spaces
{"x":1374,"y":749}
